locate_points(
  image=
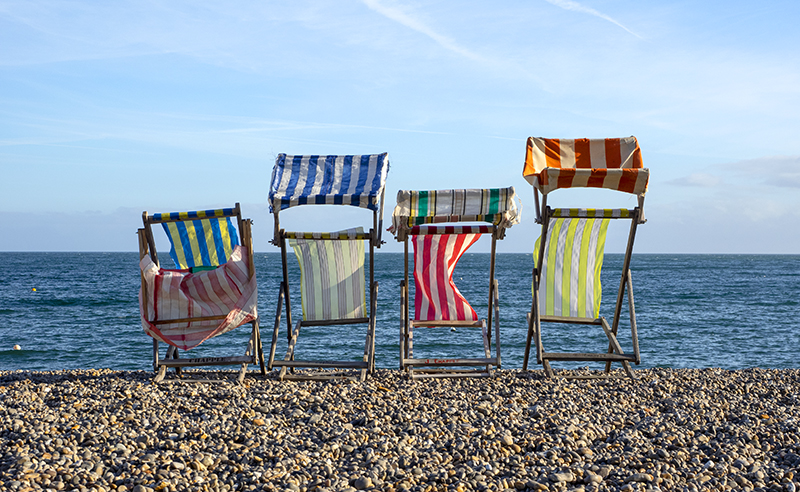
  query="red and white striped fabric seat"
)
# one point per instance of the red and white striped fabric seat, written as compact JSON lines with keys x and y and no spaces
{"x":179,"y":294}
{"x":437,"y":297}
{"x":612,"y":163}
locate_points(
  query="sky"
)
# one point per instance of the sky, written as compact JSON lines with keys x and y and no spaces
{"x":111,"y":108}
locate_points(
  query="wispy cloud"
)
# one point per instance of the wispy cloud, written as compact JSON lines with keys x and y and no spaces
{"x":700,"y":180}
{"x":577,"y":7}
{"x":779,"y":171}
{"x":397,"y":14}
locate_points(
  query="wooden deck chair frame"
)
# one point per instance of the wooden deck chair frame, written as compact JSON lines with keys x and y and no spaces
{"x":562,"y":163}
{"x":407,"y":225}
{"x":254,"y":353}
{"x":331,"y":369}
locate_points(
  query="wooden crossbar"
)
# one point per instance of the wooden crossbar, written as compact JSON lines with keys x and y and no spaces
{"x":187,"y":320}
{"x":446,"y":323}
{"x":449,"y":362}
{"x":588,"y":357}
{"x":325,"y":364}
{"x":208,"y":361}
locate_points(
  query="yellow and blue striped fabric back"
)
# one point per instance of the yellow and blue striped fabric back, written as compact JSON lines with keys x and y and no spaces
{"x":200,"y":239}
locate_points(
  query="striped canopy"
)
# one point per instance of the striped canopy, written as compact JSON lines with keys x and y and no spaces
{"x":612,"y":163}
{"x":204,"y":238}
{"x":356,"y":180}
{"x":497,"y":206}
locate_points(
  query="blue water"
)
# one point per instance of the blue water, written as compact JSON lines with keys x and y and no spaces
{"x":729,"y":311}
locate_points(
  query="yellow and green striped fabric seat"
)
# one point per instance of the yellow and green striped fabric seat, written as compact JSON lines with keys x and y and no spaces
{"x":573,"y":258}
{"x":332,"y":277}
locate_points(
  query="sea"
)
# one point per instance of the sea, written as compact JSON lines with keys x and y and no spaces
{"x":80,"y":311}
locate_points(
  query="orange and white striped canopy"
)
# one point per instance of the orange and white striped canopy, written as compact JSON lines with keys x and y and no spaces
{"x":613,"y":163}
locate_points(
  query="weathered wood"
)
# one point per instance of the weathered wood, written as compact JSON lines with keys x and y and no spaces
{"x":334,"y":322}
{"x":449,"y":362}
{"x":588,"y":357}
{"x":321,"y":377}
{"x":446,"y":323}
{"x":209,"y":361}
{"x":289,"y":351}
{"x":403,"y":323}
{"x":188,"y":320}
{"x":418,"y":374}
{"x":632,"y":313}
{"x":497,"y":323}
{"x":323,"y":364}
{"x":275,"y":330}
{"x":571,"y":320}
{"x":612,"y":339}
{"x":485,"y":335}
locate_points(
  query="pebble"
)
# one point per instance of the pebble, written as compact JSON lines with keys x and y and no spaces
{"x":685,"y":430}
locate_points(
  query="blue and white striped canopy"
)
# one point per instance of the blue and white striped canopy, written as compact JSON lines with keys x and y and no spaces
{"x":356,"y":180}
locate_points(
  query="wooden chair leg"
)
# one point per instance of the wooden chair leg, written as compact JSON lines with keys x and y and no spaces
{"x":548,"y":371}
{"x":496,"y":322}
{"x":274,"y":344}
{"x":290,"y":350}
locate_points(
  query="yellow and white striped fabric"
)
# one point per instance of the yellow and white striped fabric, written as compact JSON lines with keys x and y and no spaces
{"x":573,"y":258}
{"x":332,"y":277}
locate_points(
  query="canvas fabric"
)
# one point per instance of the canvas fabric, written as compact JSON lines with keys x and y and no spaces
{"x":199,"y":239}
{"x":573,"y":259}
{"x":331,"y":277}
{"x":174,"y":294}
{"x":356,"y":180}
{"x":436,"y":296}
{"x":612,"y":163}
{"x":496,"y":205}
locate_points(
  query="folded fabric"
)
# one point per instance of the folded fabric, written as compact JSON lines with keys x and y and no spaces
{"x":179,"y":294}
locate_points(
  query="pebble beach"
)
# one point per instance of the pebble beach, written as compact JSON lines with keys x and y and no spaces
{"x":670,"y":429}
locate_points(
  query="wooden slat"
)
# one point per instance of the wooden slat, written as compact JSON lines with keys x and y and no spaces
{"x":332,"y":364}
{"x":331,"y":322}
{"x":448,"y":362}
{"x":572,"y":320}
{"x":446,"y":323}
{"x":186,"y":320}
{"x":417,"y":374}
{"x":208,"y":361}
{"x":585,"y":357}
{"x":321,"y":377}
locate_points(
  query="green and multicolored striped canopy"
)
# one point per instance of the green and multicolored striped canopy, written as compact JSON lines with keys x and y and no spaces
{"x":494,"y":205}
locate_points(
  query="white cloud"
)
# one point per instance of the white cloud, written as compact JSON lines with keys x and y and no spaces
{"x":701,"y":180}
{"x":397,"y":14}
{"x":577,"y":7}
{"x":779,"y":171}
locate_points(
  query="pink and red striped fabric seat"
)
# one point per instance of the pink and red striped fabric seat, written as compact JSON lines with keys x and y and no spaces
{"x":178,"y":294}
{"x":435,"y":258}
{"x":612,"y":163}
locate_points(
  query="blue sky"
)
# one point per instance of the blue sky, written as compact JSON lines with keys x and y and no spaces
{"x":111,"y":108}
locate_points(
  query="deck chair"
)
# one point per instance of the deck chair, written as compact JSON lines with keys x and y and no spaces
{"x":332,"y":277}
{"x":211,"y":290}
{"x":568,"y":256}
{"x":431,"y":220}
